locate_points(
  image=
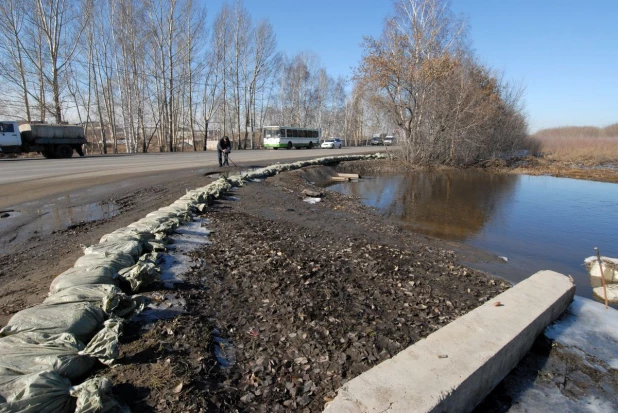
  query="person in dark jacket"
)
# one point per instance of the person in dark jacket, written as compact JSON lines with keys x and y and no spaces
{"x":224,"y":145}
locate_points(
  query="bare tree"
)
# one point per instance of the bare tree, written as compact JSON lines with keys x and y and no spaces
{"x":428,"y":83}
{"x":11,"y":32}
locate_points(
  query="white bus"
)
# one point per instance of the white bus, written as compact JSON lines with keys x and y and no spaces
{"x":291,"y":137}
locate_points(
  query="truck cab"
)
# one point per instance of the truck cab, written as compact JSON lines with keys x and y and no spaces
{"x":10,"y":138}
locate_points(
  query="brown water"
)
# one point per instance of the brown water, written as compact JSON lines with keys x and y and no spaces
{"x":536,"y":222}
{"x":46,"y":219}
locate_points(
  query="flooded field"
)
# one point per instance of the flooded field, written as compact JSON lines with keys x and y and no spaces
{"x":534,"y":222}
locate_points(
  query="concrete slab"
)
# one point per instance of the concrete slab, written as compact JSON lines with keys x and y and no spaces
{"x":453,"y":369}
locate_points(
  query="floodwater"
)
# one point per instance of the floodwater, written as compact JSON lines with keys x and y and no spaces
{"x":49,"y":218}
{"x":536,"y":222}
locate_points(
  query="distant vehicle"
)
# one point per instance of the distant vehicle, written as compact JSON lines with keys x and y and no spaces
{"x":390,"y":140}
{"x":289,"y":137}
{"x":52,"y":141}
{"x":376,"y":140}
{"x":332,"y":143}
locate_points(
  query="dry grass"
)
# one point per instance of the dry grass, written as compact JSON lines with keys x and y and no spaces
{"x":587,"y":145}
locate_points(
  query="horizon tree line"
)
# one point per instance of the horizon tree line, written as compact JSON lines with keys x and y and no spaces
{"x":144,"y":75}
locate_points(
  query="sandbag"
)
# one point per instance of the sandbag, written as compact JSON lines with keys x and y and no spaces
{"x":82,"y":320}
{"x":83,"y":276}
{"x":114,"y":262}
{"x":143,"y":273}
{"x":126,"y":233}
{"x":130,"y":247}
{"x":31,"y":352}
{"x":109,"y":298}
{"x":48,"y":392}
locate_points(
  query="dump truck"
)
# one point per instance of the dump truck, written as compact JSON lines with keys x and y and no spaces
{"x":52,"y":141}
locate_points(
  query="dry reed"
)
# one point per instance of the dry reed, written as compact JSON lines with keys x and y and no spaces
{"x":580,"y":144}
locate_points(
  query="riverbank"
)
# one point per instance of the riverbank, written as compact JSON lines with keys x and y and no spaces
{"x":529,"y":165}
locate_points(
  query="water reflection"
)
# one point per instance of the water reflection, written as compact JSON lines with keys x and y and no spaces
{"x":538,"y":222}
{"x":453,"y":205}
{"x":54,"y":217}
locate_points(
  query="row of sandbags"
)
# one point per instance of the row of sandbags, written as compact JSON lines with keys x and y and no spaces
{"x":45,"y":347}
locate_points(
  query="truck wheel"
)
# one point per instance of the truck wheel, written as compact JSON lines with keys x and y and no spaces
{"x":79,"y":149}
{"x":48,"y":154}
{"x":64,"y":151}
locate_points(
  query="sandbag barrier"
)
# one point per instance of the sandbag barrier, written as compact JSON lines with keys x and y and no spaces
{"x":46,"y":347}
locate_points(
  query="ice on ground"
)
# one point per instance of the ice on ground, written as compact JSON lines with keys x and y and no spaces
{"x":161,"y":307}
{"x":312,"y":200}
{"x":589,"y":326}
{"x":186,"y":238}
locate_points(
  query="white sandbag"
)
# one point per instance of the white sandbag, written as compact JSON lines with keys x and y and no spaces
{"x":82,"y":320}
{"x":172,"y":211}
{"x":31,"y":352}
{"x":126,"y":233}
{"x":114,"y":262}
{"x":141,"y":274}
{"x":194,"y":195}
{"x":130,"y":247}
{"x":82,"y":276}
{"x":109,"y":298}
{"x":156,"y":223}
{"x":95,"y":396}
{"x":48,"y":392}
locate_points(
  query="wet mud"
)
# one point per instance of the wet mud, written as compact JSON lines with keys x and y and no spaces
{"x":290,"y":301}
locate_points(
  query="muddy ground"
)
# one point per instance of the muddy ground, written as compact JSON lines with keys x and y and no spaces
{"x":30,"y":262}
{"x":297,"y":299}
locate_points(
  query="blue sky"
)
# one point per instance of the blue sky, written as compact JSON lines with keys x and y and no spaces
{"x":564,"y":53}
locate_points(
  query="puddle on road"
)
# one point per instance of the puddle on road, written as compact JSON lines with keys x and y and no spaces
{"x":52,"y":217}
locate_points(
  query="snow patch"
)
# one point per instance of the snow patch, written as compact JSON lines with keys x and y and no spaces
{"x":589,"y":326}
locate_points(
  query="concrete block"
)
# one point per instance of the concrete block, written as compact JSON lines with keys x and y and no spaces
{"x":453,"y":369}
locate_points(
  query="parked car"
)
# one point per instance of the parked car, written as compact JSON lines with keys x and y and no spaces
{"x":376,"y":140}
{"x":390,"y":140}
{"x":332,"y":143}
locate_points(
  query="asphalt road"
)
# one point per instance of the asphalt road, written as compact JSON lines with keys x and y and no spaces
{"x":24,"y":180}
